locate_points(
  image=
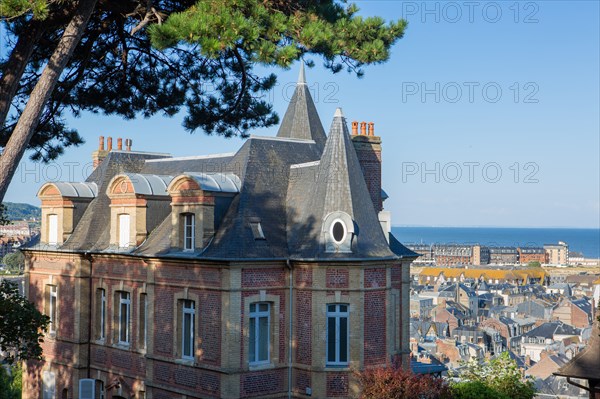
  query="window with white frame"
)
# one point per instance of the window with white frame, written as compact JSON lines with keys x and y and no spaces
{"x":188,"y":320}
{"x":52,"y":229}
{"x":337,"y":334}
{"x":52,"y":310}
{"x":101,"y":313}
{"x":189,"y":224}
{"x":124,"y":227}
{"x":260,"y":327}
{"x":124,"y":317}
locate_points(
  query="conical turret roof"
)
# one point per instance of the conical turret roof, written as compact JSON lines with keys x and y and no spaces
{"x":333,"y":185}
{"x":301,"y":120}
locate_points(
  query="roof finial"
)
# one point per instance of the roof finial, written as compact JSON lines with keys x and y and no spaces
{"x":338,"y":113}
{"x":301,"y":77}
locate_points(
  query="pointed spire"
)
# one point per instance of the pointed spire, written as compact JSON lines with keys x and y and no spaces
{"x":301,"y":77}
{"x":301,"y":120}
{"x":338,"y":113}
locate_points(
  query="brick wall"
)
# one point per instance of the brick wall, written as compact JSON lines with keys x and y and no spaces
{"x":375,"y":326}
{"x":337,"y":278}
{"x":337,"y":384}
{"x":368,"y":150}
{"x":261,"y":383}
{"x":304,"y":327}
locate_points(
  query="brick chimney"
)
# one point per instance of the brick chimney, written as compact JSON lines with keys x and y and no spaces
{"x":368,"y":149}
{"x":99,"y":155}
{"x":120,"y":144}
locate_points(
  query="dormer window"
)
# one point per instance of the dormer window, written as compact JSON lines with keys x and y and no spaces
{"x":124,"y":226}
{"x":189,"y":226}
{"x":197,"y":204}
{"x":53,"y":229}
{"x":337,"y":232}
{"x":137,"y":203}
{"x":63,"y":204}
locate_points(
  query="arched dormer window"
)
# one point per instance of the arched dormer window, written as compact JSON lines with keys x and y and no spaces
{"x":63,"y":204}
{"x":196,"y":201}
{"x":133,"y":197}
{"x":338,"y":232}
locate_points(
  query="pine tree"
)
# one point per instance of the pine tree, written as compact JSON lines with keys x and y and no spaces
{"x":139,"y":58}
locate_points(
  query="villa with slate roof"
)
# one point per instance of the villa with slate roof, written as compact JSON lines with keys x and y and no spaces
{"x":269,"y":272}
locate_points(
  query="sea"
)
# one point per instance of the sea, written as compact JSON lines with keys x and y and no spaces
{"x":585,"y":241}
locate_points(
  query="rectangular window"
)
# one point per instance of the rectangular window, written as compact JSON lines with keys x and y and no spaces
{"x":143,"y":320}
{"x":48,"y":385}
{"x":187,"y":329}
{"x":188,"y":231}
{"x":337,"y":335}
{"x":124,"y":314}
{"x":53,"y":308}
{"x":101,"y":313}
{"x":260,"y":317}
{"x":124,"y":230}
{"x":52,"y":229}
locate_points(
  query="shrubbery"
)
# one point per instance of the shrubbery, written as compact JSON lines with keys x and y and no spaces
{"x":499,"y":378}
{"x":396,"y":383}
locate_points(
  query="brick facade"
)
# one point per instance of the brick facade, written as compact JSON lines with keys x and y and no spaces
{"x":222,"y":294}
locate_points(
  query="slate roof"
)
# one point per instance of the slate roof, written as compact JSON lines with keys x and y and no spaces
{"x":301,"y":120}
{"x":288,"y":184}
{"x":550,"y":329}
{"x":586,"y":364}
{"x":331,"y":185}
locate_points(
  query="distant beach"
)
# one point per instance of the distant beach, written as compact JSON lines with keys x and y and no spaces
{"x":585,"y":241}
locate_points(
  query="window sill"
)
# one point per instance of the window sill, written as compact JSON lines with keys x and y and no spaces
{"x":260,"y":366}
{"x":122,"y":346}
{"x":186,"y":362}
{"x":337,"y":367}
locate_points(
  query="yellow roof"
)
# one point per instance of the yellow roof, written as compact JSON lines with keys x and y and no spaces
{"x":451,"y":272}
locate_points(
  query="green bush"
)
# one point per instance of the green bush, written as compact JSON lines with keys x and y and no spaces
{"x":500,"y":375}
{"x":474,"y":390}
{"x":10,"y":383}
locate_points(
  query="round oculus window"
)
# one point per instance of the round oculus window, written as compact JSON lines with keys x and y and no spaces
{"x":338,"y":231}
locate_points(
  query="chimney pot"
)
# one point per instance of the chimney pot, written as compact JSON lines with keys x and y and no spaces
{"x":109,"y":144}
{"x":371,"y":129}
{"x":119,"y":144}
{"x":101,"y":144}
{"x":363,"y":128}
{"x":128,"y":144}
{"x":355,"y":128}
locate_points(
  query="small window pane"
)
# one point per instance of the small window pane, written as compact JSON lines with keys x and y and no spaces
{"x":252,"y":343}
{"x":343,"y":308}
{"x":338,"y":231}
{"x":263,"y":307}
{"x":252,"y":307}
{"x":263,"y":333}
{"x":331,"y":308}
{"x":343,"y":339}
{"x":331,"y":339}
{"x":123,"y":322}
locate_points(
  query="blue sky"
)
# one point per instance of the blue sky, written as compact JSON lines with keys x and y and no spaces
{"x":488,"y":112}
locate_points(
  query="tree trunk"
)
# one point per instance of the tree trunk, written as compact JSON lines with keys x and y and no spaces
{"x":29,"y":119}
{"x":15,"y":66}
